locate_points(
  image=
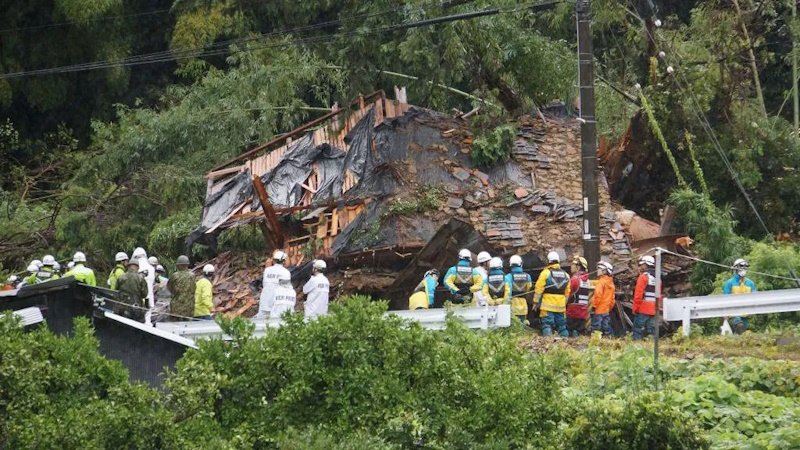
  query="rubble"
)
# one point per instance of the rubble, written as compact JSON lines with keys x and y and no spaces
{"x":341,"y":183}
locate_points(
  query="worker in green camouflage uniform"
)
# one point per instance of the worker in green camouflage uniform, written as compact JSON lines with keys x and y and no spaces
{"x":182,"y":286}
{"x":132,"y":291}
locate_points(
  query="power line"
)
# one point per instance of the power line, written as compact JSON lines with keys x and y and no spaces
{"x":79,"y":22}
{"x":186,"y":52}
{"x":223,"y":47}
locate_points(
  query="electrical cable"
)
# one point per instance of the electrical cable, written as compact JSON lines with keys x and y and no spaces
{"x":700,"y":260}
{"x":706,"y":125}
{"x":215,"y":49}
{"x":78,"y":22}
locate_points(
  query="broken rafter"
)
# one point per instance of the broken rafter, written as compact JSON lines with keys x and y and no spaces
{"x":284,"y":137}
{"x":273,"y":235}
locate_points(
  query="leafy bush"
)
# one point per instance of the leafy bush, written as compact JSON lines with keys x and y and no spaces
{"x":357,"y":372}
{"x":58,"y":392}
{"x":641,"y":423}
{"x":427,"y":197}
{"x":495,"y":146}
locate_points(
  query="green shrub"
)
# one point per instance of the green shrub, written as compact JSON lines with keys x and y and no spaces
{"x":495,"y":146}
{"x":356,"y":371}
{"x":641,"y":423}
{"x":59,"y":392}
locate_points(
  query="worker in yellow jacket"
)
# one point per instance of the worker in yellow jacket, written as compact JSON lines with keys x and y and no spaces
{"x":80,"y":272}
{"x":521,"y":285}
{"x":462,"y":280}
{"x":203,"y":295}
{"x":496,"y":289}
{"x":551,"y":291}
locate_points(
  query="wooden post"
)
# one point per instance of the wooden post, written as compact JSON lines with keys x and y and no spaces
{"x":273,"y":234}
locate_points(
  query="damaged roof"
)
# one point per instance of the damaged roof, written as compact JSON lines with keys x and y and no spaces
{"x":344,"y":177}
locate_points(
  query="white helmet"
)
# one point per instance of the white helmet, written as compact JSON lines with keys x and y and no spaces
{"x":153,"y":261}
{"x":79,"y":257}
{"x":741,"y":264}
{"x":121,"y":256}
{"x":139,"y":253}
{"x":284,"y":277}
{"x":37,"y":263}
{"x":515,"y":260}
{"x":279,"y":256}
{"x":208,"y":268}
{"x":553,"y":257}
{"x":48,"y":260}
{"x":57,"y":267}
{"x":33,"y":268}
{"x":70,"y":264}
{"x":13,"y":279}
{"x":647,"y":260}
{"x":495,"y":263}
{"x":606,"y":266}
{"x":465,"y":254}
{"x":483,"y":257}
{"x":320,"y":264}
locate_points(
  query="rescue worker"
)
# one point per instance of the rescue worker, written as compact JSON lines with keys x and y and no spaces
{"x":57,"y":269}
{"x":520,"y":284}
{"x":132,"y":291}
{"x":496,"y":289}
{"x":552,"y":290}
{"x":284,"y":297}
{"x":31,"y":279}
{"x":80,"y":272}
{"x":316,"y":290}
{"x":272,"y":275}
{"x":739,"y":284}
{"x":38,"y":263}
{"x":161,"y":274}
{"x":146,"y":267}
{"x":153,"y":261}
{"x":483,"y":270}
{"x":425,"y":292}
{"x":462,"y":280}
{"x":162,"y":295}
{"x":644,"y":299}
{"x":578,"y":306}
{"x":603,"y":299}
{"x":10,"y":284}
{"x":70,"y":265}
{"x":204,"y":295}
{"x":121,"y":259}
{"x":182,"y":287}
{"x":47,"y":271}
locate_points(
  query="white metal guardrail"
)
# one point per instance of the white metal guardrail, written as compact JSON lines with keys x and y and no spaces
{"x":29,"y":316}
{"x":432,"y":319}
{"x":767,"y":302}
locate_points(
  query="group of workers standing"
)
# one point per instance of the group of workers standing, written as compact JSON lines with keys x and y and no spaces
{"x":278,"y":295}
{"x":144,"y":289}
{"x":566,"y":304}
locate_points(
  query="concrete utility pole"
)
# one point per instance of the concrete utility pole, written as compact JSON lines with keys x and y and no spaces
{"x":795,"y":95}
{"x":591,"y":209}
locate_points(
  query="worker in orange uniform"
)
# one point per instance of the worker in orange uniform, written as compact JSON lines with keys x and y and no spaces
{"x":644,"y":298}
{"x":603,"y":299}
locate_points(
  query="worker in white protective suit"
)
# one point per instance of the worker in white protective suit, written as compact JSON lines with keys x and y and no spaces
{"x":270,"y":283}
{"x":146,"y":268}
{"x":284,"y":297}
{"x":316,"y":290}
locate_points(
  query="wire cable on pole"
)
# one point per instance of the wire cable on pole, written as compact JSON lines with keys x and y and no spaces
{"x":224,"y":47}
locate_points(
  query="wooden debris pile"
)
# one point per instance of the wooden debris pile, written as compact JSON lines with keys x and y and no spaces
{"x":233,"y":294}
